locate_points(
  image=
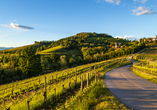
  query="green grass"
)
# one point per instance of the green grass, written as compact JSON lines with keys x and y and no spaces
{"x":50,"y":50}
{"x":147,"y":76}
{"x":36,"y":90}
{"x":148,"y":55}
{"x":61,"y":51}
{"x":150,"y":51}
{"x":35,"y":46}
{"x":96,"y":97}
{"x":147,"y":67}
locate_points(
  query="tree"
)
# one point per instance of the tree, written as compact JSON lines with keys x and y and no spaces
{"x":29,"y":63}
{"x":63,"y":61}
{"x":54,"y":58}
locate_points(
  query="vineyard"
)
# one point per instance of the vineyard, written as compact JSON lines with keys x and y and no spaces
{"x":52,"y":88}
{"x":147,"y":67}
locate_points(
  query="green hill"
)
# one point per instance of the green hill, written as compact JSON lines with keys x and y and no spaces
{"x":18,"y":49}
{"x":72,"y":45}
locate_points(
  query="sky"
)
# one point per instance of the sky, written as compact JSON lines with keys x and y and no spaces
{"x":24,"y":21}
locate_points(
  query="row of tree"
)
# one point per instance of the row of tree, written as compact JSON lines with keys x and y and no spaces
{"x":27,"y":64}
{"x":100,"y":55}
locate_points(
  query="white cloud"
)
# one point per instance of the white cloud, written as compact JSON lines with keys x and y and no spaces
{"x":142,"y":11}
{"x":111,"y":1}
{"x":16,"y":26}
{"x":125,"y":37}
{"x":141,"y":1}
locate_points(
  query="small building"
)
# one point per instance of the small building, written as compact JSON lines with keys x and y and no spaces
{"x":152,"y":39}
{"x":117,"y":44}
{"x":86,"y":43}
{"x":91,"y":44}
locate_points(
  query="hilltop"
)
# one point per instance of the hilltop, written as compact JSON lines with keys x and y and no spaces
{"x":82,"y":48}
{"x":71,"y":43}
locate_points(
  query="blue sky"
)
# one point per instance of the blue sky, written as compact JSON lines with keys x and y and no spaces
{"x":24,"y":21}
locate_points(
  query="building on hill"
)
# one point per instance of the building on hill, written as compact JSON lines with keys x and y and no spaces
{"x":151,"y":39}
{"x":117,"y":44}
{"x":91,"y":44}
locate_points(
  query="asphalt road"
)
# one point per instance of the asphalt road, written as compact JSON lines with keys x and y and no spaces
{"x":131,"y":89}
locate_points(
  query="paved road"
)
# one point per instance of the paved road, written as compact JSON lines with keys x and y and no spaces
{"x":132,"y":90}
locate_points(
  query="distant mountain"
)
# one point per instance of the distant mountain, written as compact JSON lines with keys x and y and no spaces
{"x":5,"y":48}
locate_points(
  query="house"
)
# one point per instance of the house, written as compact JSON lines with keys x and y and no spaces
{"x":152,"y":39}
{"x":117,"y":44}
{"x":86,"y":43}
{"x":91,"y":44}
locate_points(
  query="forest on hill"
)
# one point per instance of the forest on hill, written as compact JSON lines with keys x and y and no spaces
{"x":82,"y":48}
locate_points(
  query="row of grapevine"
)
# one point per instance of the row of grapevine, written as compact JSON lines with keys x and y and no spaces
{"x":18,"y":88}
{"x":147,"y":67}
{"x":35,"y":95}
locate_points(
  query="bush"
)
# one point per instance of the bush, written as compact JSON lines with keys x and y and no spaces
{"x":16,"y":78}
{"x":8,"y":80}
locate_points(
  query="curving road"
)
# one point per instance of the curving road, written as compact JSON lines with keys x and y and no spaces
{"x":132,"y":90}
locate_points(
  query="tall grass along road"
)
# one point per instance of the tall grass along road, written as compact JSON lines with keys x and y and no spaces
{"x":132,"y":90}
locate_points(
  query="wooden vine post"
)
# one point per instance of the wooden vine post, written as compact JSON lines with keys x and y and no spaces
{"x":27,"y":87}
{"x":56,"y":75}
{"x":51,"y":78}
{"x":87,"y":79}
{"x":90,"y":71}
{"x":55,"y":93}
{"x":63,"y":88}
{"x":69,"y":85}
{"x":12,"y":87}
{"x":45,"y":97}
{"x":153,"y":64}
{"x":75,"y":76}
{"x":39,"y":78}
{"x":28,"y":104}
{"x":95,"y":73}
{"x":81,"y":83}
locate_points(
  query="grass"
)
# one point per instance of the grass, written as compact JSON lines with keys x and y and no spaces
{"x":147,"y":70}
{"x":59,"y":50}
{"x":36,"y":94}
{"x":50,"y":50}
{"x":147,"y":76}
{"x":150,"y":51}
{"x":96,"y":97}
{"x":148,"y":55}
{"x":22,"y":47}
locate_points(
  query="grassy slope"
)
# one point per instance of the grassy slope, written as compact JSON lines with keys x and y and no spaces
{"x":96,"y":97}
{"x":61,"y":51}
{"x":147,"y":76}
{"x":102,"y":39}
{"x":22,"y":47}
{"x":50,"y":50}
{"x":23,"y":97}
{"x":77,"y":52}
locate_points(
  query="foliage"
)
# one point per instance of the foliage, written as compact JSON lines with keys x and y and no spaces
{"x":29,"y":62}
